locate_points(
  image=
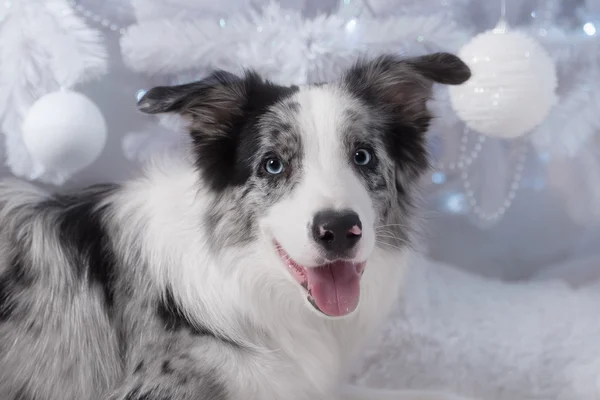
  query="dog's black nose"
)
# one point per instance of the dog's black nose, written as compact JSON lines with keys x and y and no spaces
{"x":337,"y":232}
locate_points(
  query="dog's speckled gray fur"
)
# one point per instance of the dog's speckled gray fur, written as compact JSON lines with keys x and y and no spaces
{"x":80,"y":317}
{"x":62,"y":335}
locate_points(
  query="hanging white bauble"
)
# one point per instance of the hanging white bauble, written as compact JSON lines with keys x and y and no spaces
{"x":64,"y":132}
{"x":512,"y":87}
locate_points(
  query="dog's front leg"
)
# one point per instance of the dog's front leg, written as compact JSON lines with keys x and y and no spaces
{"x":351,"y":392}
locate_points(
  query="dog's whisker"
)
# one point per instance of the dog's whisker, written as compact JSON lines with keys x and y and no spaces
{"x":385,"y":232}
{"x":391,"y":237}
{"x":402,"y":241}
{"x":391,"y":225}
{"x":390,"y":245}
{"x":388,"y":234}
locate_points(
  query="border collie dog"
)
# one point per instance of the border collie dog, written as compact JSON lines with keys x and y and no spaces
{"x":253,"y":269}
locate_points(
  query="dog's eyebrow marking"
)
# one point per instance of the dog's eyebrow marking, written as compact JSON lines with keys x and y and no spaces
{"x":274,"y":132}
{"x":281,"y":126}
{"x":352,"y":116}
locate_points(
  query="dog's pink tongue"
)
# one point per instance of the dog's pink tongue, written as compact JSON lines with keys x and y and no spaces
{"x":335,"y":287}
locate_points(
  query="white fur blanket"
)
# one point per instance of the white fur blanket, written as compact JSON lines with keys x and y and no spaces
{"x":489,"y":340}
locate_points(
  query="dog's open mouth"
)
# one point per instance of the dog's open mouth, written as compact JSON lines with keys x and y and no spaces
{"x":333,"y":288}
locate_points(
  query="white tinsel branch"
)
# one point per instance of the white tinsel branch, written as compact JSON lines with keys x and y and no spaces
{"x":571,"y":49}
{"x":383,"y":8}
{"x":43,"y":46}
{"x":281,"y":43}
{"x":146,"y":10}
{"x":574,"y":120}
{"x":289,"y":48}
{"x":154,"y":141}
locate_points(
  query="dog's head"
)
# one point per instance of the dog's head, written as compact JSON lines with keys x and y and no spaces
{"x":322,"y":173}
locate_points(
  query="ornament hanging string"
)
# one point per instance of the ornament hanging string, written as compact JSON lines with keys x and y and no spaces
{"x":501,"y":25}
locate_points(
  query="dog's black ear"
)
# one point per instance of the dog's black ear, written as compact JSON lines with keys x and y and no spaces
{"x":443,"y":68}
{"x":405,"y":82}
{"x":399,"y":88}
{"x":211,"y":102}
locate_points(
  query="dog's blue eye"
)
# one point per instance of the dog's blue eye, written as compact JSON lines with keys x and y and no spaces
{"x":274,"y":166}
{"x":362,"y":157}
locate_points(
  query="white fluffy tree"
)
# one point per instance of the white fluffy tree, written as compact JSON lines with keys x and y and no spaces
{"x":44,"y":46}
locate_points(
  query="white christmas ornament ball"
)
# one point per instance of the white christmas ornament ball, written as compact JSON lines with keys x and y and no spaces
{"x":512,"y":87}
{"x":64,"y":132}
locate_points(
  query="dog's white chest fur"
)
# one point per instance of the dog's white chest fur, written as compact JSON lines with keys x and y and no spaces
{"x":306,"y":356}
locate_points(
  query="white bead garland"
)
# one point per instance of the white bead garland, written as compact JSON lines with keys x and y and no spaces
{"x":510,"y":196}
{"x":466,"y":158}
{"x":95,"y":17}
{"x":463,"y":158}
